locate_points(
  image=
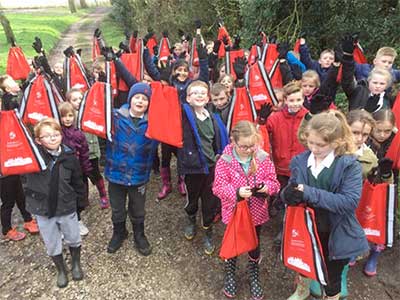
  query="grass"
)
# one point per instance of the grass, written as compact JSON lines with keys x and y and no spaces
{"x":112,"y":33}
{"x":48,"y":24}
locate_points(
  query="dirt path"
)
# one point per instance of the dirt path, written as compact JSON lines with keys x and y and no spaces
{"x":79,"y":35}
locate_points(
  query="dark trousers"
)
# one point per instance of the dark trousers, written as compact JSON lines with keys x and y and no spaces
{"x":334,"y":267}
{"x":95,"y":175}
{"x":166,"y":154}
{"x":136,"y":202}
{"x":200,"y":186}
{"x":11,"y":193}
{"x":255,"y":254}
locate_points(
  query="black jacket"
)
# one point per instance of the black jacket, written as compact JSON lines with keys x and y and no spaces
{"x":69,"y":188}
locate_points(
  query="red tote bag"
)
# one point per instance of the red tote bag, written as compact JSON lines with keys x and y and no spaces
{"x":134,"y":63}
{"x":240,"y":235}
{"x":376,"y":212}
{"x":301,"y":248}
{"x":94,"y":114}
{"x":17,"y":65}
{"x":230,"y":57}
{"x":18,"y":153}
{"x":242,"y":108}
{"x":75,"y":73}
{"x":165,"y":115}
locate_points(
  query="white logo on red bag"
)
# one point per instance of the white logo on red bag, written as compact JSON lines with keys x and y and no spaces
{"x":260,"y":97}
{"x":38,"y":95}
{"x":299,"y":263}
{"x":256,"y":77}
{"x":12,"y":135}
{"x":36,"y":116}
{"x":241,"y":107}
{"x":18,"y":161}
{"x":94,"y":126}
{"x":372,"y":232}
{"x":295,"y":233}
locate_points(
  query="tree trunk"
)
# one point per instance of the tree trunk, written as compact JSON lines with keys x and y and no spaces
{"x":71,"y":4}
{"x":83,"y":4}
{"x":7,"y":28}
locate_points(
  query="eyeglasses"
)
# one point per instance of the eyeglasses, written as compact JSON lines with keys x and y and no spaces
{"x":49,"y":137}
{"x":246,"y":148}
{"x":198,"y":93}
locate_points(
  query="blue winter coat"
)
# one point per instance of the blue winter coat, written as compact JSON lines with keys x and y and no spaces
{"x":129,"y":156}
{"x":347,"y":238}
{"x":362,"y":71}
{"x":305,"y":58}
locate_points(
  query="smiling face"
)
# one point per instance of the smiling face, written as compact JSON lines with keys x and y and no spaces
{"x":377,"y":84}
{"x":49,"y":138}
{"x":197,"y":96}
{"x":139,"y":104}
{"x":182,"y":73}
{"x":294,"y":102}
{"x":318,"y":146}
{"x":227,"y":82}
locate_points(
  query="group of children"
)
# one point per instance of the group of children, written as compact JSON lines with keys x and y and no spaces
{"x":317,"y":157}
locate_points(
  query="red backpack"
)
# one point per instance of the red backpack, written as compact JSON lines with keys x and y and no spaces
{"x":17,"y":65}
{"x":94,"y":114}
{"x":254,"y":55}
{"x":18,"y":153}
{"x":134,"y":63}
{"x":163,"y":50}
{"x":38,"y":101}
{"x":75,"y":73}
{"x":271,"y":63}
{"x":221,"y":33}
{"x":242,"y":108}
{"x":230,"y":57}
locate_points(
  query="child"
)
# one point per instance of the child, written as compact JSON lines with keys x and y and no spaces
{"x":245,"y":172}
{"x":384,"y":58}
{"x":128,"y":171}
{"x":309,"y":85}
{"x":52,"y":196}
{"x":197,"y":158}
{"x":10,"y":186}
{"x":369,"y":95}
{"x":328,"y":178}
{"x":228,"y":82}
{"x":220,"y":101}
{"x":321,"y":66}
{"x":74,"y":96}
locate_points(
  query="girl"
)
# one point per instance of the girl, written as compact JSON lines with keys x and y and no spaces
{"x":380,"y":141}
{"x":328,"y":178}
{"x":74,"y":96}
{"x":75,"y":139}
{"x":52,"y":196}
{"x":228,"y":82}
{"x":245,"y":172}
{"x":309,"y":84}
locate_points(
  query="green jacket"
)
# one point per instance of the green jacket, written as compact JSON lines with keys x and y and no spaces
{"x":94,"y":147}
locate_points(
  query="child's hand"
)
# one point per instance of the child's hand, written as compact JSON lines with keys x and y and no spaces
{"x":69,"y":51}
{"x":202,"y":51}
{"x":245,"y":192}
{"x":97,"y":33}
{"x":348,"y":44}
{"x":197,"y":24}
{"x":37,"y":45}
{"x":239,"y":65}
{"x":265,"y":112}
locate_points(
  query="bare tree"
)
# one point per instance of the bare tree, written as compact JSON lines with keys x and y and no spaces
{"x":83,"y":4}
{"x":7,"y":28}
{"x":72,"y":7}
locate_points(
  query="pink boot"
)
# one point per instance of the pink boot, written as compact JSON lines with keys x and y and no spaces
{"x":104,"y":203}
{"x":181,"y":185}
{"x":166,"y":187}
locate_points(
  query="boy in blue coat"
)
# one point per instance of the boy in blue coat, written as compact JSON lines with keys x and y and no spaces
{"x":197,"y":158}
{"x":129,"y":159}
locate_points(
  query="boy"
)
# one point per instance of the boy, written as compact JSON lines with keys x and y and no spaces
{"x":384,"y":58}
{"x":129,"y":159}
{"x":321,"y":66}
{"x":52,"y":196}
{"x":197,"y":158}
{"x":10,"y":186}
{"x":220,"y":101}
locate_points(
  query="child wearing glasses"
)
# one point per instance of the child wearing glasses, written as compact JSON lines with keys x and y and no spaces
{"x":245,"y":172}
{"x":52,"y":196}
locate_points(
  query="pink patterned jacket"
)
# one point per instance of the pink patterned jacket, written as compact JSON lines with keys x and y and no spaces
{"x":229,"y":177}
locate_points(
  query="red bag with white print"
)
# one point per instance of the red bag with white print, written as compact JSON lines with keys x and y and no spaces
{"x":17,"y":65}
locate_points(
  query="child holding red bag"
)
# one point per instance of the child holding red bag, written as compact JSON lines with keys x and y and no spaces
{"x":245,"y":171}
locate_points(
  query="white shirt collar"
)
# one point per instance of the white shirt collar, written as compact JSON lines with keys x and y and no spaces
{"x":380,"y":102}
{"x":326,"y":163}
{"x":204,"y":114}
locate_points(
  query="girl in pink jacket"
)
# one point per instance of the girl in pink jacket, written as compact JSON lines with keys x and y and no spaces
{"x":245,"y":172}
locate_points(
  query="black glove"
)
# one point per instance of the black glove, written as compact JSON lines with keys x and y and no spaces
{"x":320,"y":103}
{"x":201,"y":51}
{"x":97,"y":33}
{"x":124,"y":47}
{"x":181,"y":34}
{"x":292,"y":196}
{"x":283,"y":49}
{"x":385,"y":166}
{"x":256,"y":193}
{"x":108,"y":53}
{"x":302,"y":35}
{"x":372,"y":103}
{"x":37,"y":45}
{"x":188,"y":37}
{"x":147,"y":37}
{"x":217,"y":44}
{"x":265,"y":112}
{"x":225,"y":40}
{"x":182,"y":55}
{"x":155,"y":50}
{"x":348,"y":44}
{"x":69,"y":51}
{"x":165,"y":71}
{"x":127,"y":34}
{"x":41,"y":61}
{"x":197,"y":24}
{"x":355,"y":37}
{"x":212,"y":60}
{"x":220,"y":22}
{"x":165,"y":33}
{"x":135,"y":34}
{"x":338,"y":54}
{"x":236,"y":43}
{"x":79,"y":51}
{"x":272,"y":38}
{"x":239,"y":65}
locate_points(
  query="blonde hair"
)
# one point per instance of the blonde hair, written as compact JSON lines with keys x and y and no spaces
{"x":327,"y":51}
{"x":386,"y":51}
{"x":382,"y":72}
{"x":247,"y":129}
{"x":311,"y":75}
{"x":65,"y":108}
{"x":291,"y":88}
{"x":3,"y":79}
{"x":360,"y":115}
{"x":224,"y":76}
{"x":71,"y":91}
{"x":332,"y":127}
{"x":196,"y":83}
{"x":217,"y":88}
{"x":50,"y":122}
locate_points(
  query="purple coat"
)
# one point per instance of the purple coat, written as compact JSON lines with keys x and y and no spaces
{"x":75,"y":139}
